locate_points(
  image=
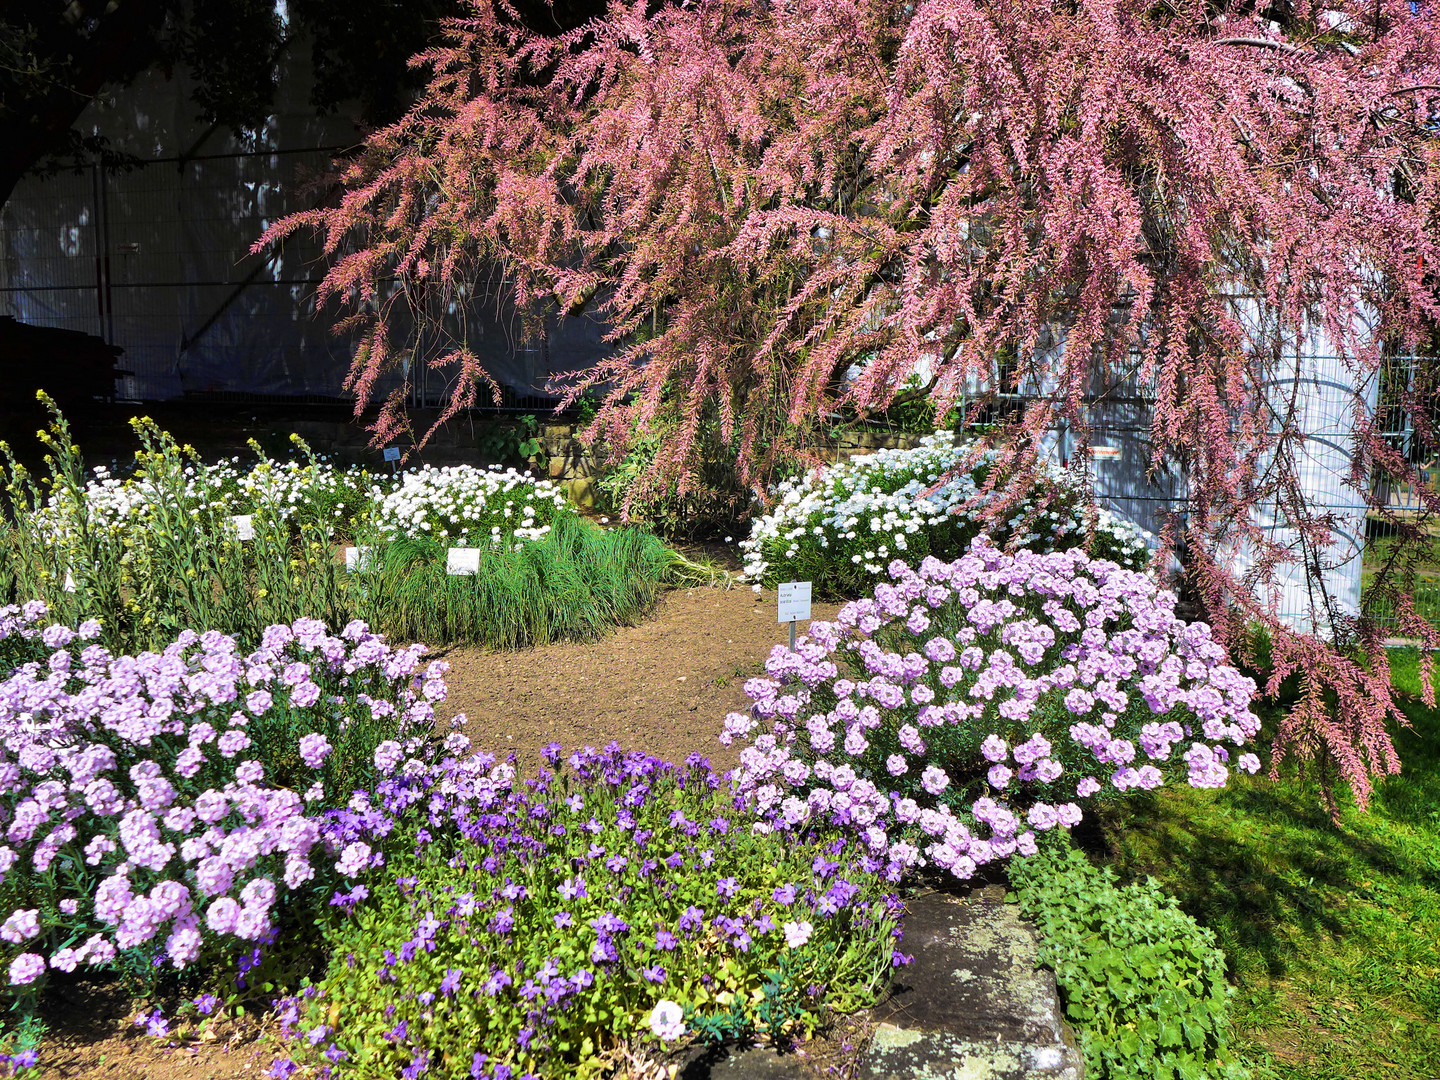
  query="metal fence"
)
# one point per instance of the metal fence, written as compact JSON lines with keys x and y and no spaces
{"x":155,"y":258}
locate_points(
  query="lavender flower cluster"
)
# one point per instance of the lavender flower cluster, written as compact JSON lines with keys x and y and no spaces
{"x":167,"y":802}
{"x":535,"y":924}
{"x":21,"y":627}
{"x":969,"y":705}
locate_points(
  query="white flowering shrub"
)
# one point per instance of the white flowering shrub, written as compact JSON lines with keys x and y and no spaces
{"x":840,"y":526}
{"x":970,"y":704}
{"x":312,"y":491}
{"x":468,"y":507}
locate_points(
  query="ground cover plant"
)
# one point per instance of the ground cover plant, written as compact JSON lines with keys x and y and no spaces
{"x":1332,"y":935}
{"x":840,"y":526}
{"x":1143,"y":984}
{"x":970,"y":705}
{"x":163,"y":551}
{"x":547,"y":928}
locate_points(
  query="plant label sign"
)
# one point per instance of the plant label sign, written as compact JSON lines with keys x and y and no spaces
{"x":392,"y":453}
{"x":244,"y":526}
{"x":359,"y":558}
{"x":462,"y":561}
{"x":794,"y":601}
{"x":69,"y":585}
{"x":1105,"y":453}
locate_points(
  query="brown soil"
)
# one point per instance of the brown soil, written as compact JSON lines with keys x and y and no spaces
{"x":93,"y":1034}
{"x":663,"y":686}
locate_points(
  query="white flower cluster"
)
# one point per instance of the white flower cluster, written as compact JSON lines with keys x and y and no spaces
{"x":841,"y":525}
{"x":226,"y":488}
{"x":469,"y":507}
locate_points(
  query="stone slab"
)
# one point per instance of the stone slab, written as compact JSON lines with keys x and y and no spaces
{"x":732,"y":1063}
{"x":974,"y":1004}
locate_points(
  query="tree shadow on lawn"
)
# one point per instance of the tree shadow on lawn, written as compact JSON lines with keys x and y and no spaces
{"x":1262,"y":864}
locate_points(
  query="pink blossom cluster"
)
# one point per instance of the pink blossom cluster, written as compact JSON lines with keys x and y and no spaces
{"x":968,"y":705}
{"x":184,"y":792}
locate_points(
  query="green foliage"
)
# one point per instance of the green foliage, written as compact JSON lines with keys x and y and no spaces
{"x":576,"y":583}
{"x":712,"y":501}
{"x":1332,"y":933}
{"x":512,"y":443}
{"x":915,"y":416}
{"x":1143,"y":983}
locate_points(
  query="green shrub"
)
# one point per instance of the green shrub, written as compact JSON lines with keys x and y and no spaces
{"x":1143,"y":983}
{"x":716,"y":502}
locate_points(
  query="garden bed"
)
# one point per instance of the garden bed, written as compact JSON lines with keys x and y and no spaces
{"x":660,"y":686}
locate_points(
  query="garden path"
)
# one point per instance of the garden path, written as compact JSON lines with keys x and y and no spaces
{"x":663,"y":686}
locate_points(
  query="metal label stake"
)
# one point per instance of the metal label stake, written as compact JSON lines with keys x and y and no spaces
{"x":793,"y":604}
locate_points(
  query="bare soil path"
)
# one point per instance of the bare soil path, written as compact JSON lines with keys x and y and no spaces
{"x":663,"y":686}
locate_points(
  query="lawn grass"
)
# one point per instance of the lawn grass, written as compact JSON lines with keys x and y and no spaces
{"x":1424,"y":589}
{"x":1332,"y":934}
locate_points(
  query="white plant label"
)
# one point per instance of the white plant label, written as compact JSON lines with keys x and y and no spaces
{"x":69,"y":585}
{"x":462,"y":561}
{"x":1105,"y":453}
{"x":359,"y":558}
{"x":244,"y":526}
{"x":794,"y":601}
{"x":392,"y":453}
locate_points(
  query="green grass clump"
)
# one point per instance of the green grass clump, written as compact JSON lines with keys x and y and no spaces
{"x":1143,"y":984}
{"x":1332,"y":934}
{"x":576,"y":584}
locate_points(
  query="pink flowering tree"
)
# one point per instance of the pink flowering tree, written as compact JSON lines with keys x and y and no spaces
{"x":780,"y":210}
